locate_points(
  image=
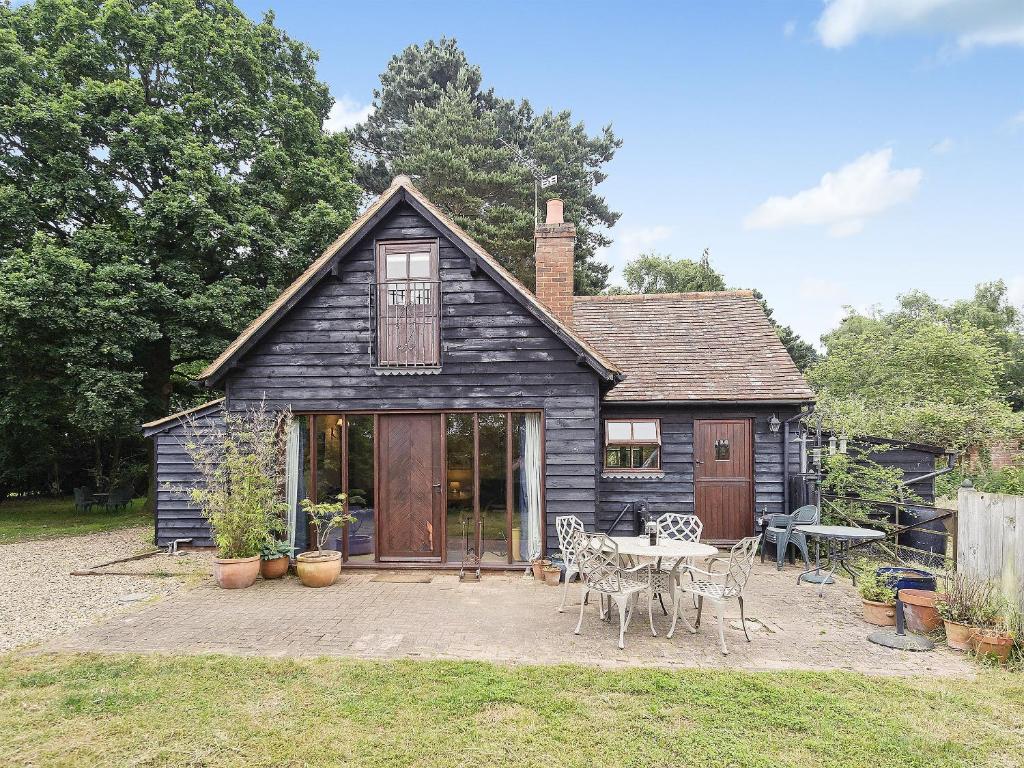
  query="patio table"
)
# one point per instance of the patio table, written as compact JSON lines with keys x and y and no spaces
{"x":640,"y":546}
{"x":838,"y":540}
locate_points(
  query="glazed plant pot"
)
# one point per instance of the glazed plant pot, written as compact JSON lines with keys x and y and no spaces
{"x":958,"y":636}
{"x":919,"y":610}
{"x":538,"y":568}
{"x":274,"y":569}
{"x":879,"y":614}
{"x":552,"y":575}
{"x":992,"y":643}
{"x":317,"y":569}
{"x":236,"y":572}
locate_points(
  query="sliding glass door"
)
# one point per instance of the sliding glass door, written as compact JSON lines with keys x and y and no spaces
{"x":488,"y":483}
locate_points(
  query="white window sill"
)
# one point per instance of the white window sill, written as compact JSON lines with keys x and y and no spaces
{"x":606,"y":475}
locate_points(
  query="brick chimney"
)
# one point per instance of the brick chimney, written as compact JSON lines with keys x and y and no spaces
{"x":554,"y":256}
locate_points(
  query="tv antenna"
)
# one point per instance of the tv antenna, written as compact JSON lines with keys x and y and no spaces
{"x":540,"y":181}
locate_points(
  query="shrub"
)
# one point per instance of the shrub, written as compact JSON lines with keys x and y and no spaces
{"x":873,"y":588}
{"x":242,"y":479}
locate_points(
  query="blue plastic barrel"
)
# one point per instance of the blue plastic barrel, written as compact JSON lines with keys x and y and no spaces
{"x":906,"y":578}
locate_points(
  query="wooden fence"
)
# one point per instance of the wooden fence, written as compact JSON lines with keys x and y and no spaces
{"x":990,"y":538}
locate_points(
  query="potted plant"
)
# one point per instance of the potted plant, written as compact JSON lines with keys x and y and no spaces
{"x":993,"y":642}
{"x":552,"y":575}
{"x":878,"y":599}
{"x":322,"y":567}
{"x":963,"y":605}
{"x":274,"y":558}
{"x":240,"y":490}
{"x":539,"y":564}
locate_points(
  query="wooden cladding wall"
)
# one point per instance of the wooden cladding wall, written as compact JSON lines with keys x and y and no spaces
{"x":674,"y":491}
{"x":494,"y":355}
{"x":176,"y":516}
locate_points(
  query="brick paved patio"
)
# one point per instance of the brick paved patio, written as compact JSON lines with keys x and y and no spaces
{"x":503,"y":618}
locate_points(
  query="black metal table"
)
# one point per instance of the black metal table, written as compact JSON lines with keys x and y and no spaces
{"x":838,"y":540}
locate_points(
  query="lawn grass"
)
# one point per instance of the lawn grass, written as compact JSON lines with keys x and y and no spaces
{"x":83,"y":710}
{"x":24,"y":519}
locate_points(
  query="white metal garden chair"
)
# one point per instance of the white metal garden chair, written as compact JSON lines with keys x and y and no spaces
{"x":717,"y":588}
{"x":602,"y":572}
{"x":568,"y":528}
{"x":678,"y":527}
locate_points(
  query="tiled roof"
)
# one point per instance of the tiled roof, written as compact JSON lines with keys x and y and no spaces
{"x":690,"y":347}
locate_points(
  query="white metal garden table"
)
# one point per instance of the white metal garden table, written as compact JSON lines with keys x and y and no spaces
{"x":672,"y":549}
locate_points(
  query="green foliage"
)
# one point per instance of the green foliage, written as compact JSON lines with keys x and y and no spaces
{"x":1008,"y":480}
{"x":242,"y":477}
{"x":274,"y":549}
{"x":873,"y":588}
{"x":657,"y":273}
{"x":163,"y":173}
{"x":326,"y":516}
{"x":46,"y":518}
{"x":911,"y":376}
{"x":860,"y":480}
{"x":464,"y":146}
{"x":968,"y":600}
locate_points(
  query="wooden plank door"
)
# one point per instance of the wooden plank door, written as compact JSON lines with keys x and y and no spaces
{"x":409,"y":499}
{"x":724,"y":478}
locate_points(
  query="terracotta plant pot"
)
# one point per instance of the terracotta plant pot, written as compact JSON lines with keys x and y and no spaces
{"x":538,"y":568}
{"x":879,"y":614}
{"x":274,"y":569}
{"x":919,"y":610}
{"x":958,"y":636}
{"x":552,"y":575}
{"x":992,"y":642}
{"x":318,"y":570}
{"x":236,"y":572}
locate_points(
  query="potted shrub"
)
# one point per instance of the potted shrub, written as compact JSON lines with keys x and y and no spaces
{"x":962,"y":607}
{"x":539,"y":564}
{"x":274,"y":558}
{"x":239,"y":494}
{"x":878,"y":599}
{"x":322,"y":567}
{"x":993,"y":642}
{"x":552,"y":575}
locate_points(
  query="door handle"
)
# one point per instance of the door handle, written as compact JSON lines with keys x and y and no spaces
{"x":437,"y":487}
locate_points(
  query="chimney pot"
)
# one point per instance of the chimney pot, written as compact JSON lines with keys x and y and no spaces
{"x":556,"y":212}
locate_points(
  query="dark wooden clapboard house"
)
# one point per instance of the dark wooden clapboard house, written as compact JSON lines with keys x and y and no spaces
{"x":458,"y":410}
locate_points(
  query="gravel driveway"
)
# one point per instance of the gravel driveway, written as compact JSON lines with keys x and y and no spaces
{"x":41,"y":600}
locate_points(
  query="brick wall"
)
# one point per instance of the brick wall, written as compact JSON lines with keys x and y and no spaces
{"x":555,"y":268}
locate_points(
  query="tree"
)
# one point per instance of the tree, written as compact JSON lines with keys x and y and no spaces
{"x":163,"y":173}
{"x":659,"y":273}
{"x":911,"y":376}
{"x":469,"y":149}
{"x":656,"y":273}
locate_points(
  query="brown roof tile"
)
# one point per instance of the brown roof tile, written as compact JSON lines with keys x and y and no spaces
{"x":690,"y":347}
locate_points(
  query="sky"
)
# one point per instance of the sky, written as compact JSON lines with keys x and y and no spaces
{"x":829,"y":154}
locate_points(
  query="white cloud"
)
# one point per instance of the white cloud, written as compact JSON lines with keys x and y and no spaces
{"x":345,"y":113}
{"x":943,"y":147}
{"x":971,"y":22}
{"x":789,"y":28}
{"x":1017,"y":120}
{"x":633,"y":241}
{"x":843,"y":199}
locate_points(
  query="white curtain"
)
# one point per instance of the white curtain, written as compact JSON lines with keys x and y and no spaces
{"x":291,"y":482}
{"x":532,"y":452}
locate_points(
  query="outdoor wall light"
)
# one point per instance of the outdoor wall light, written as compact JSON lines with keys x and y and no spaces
{"x":842,"y":443}
{"x":774,"y":423}
{"x":832,"y":445}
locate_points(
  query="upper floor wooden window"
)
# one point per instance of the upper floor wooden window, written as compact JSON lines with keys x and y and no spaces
{"x":408,"y":303}
{"x":632,"y":445}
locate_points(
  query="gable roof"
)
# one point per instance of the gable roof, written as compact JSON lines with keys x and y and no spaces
{"x":687,"y":347}
{"x":402,"y":189}
{"x":151,"y":428}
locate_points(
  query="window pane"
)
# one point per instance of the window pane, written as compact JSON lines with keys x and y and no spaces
{"x":419,"y":265}
{"x":649,"y":457}
{"x":395,"y":266}
{"x":328,"y":467}
{"x":617,"y":431}
{"x":646,"y":431}
{"x":493,"y":489}
{"x":617,"y":457}
{"x":459,"y":437}
{"x":360,"y":488}
{"x":721,"y":450}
